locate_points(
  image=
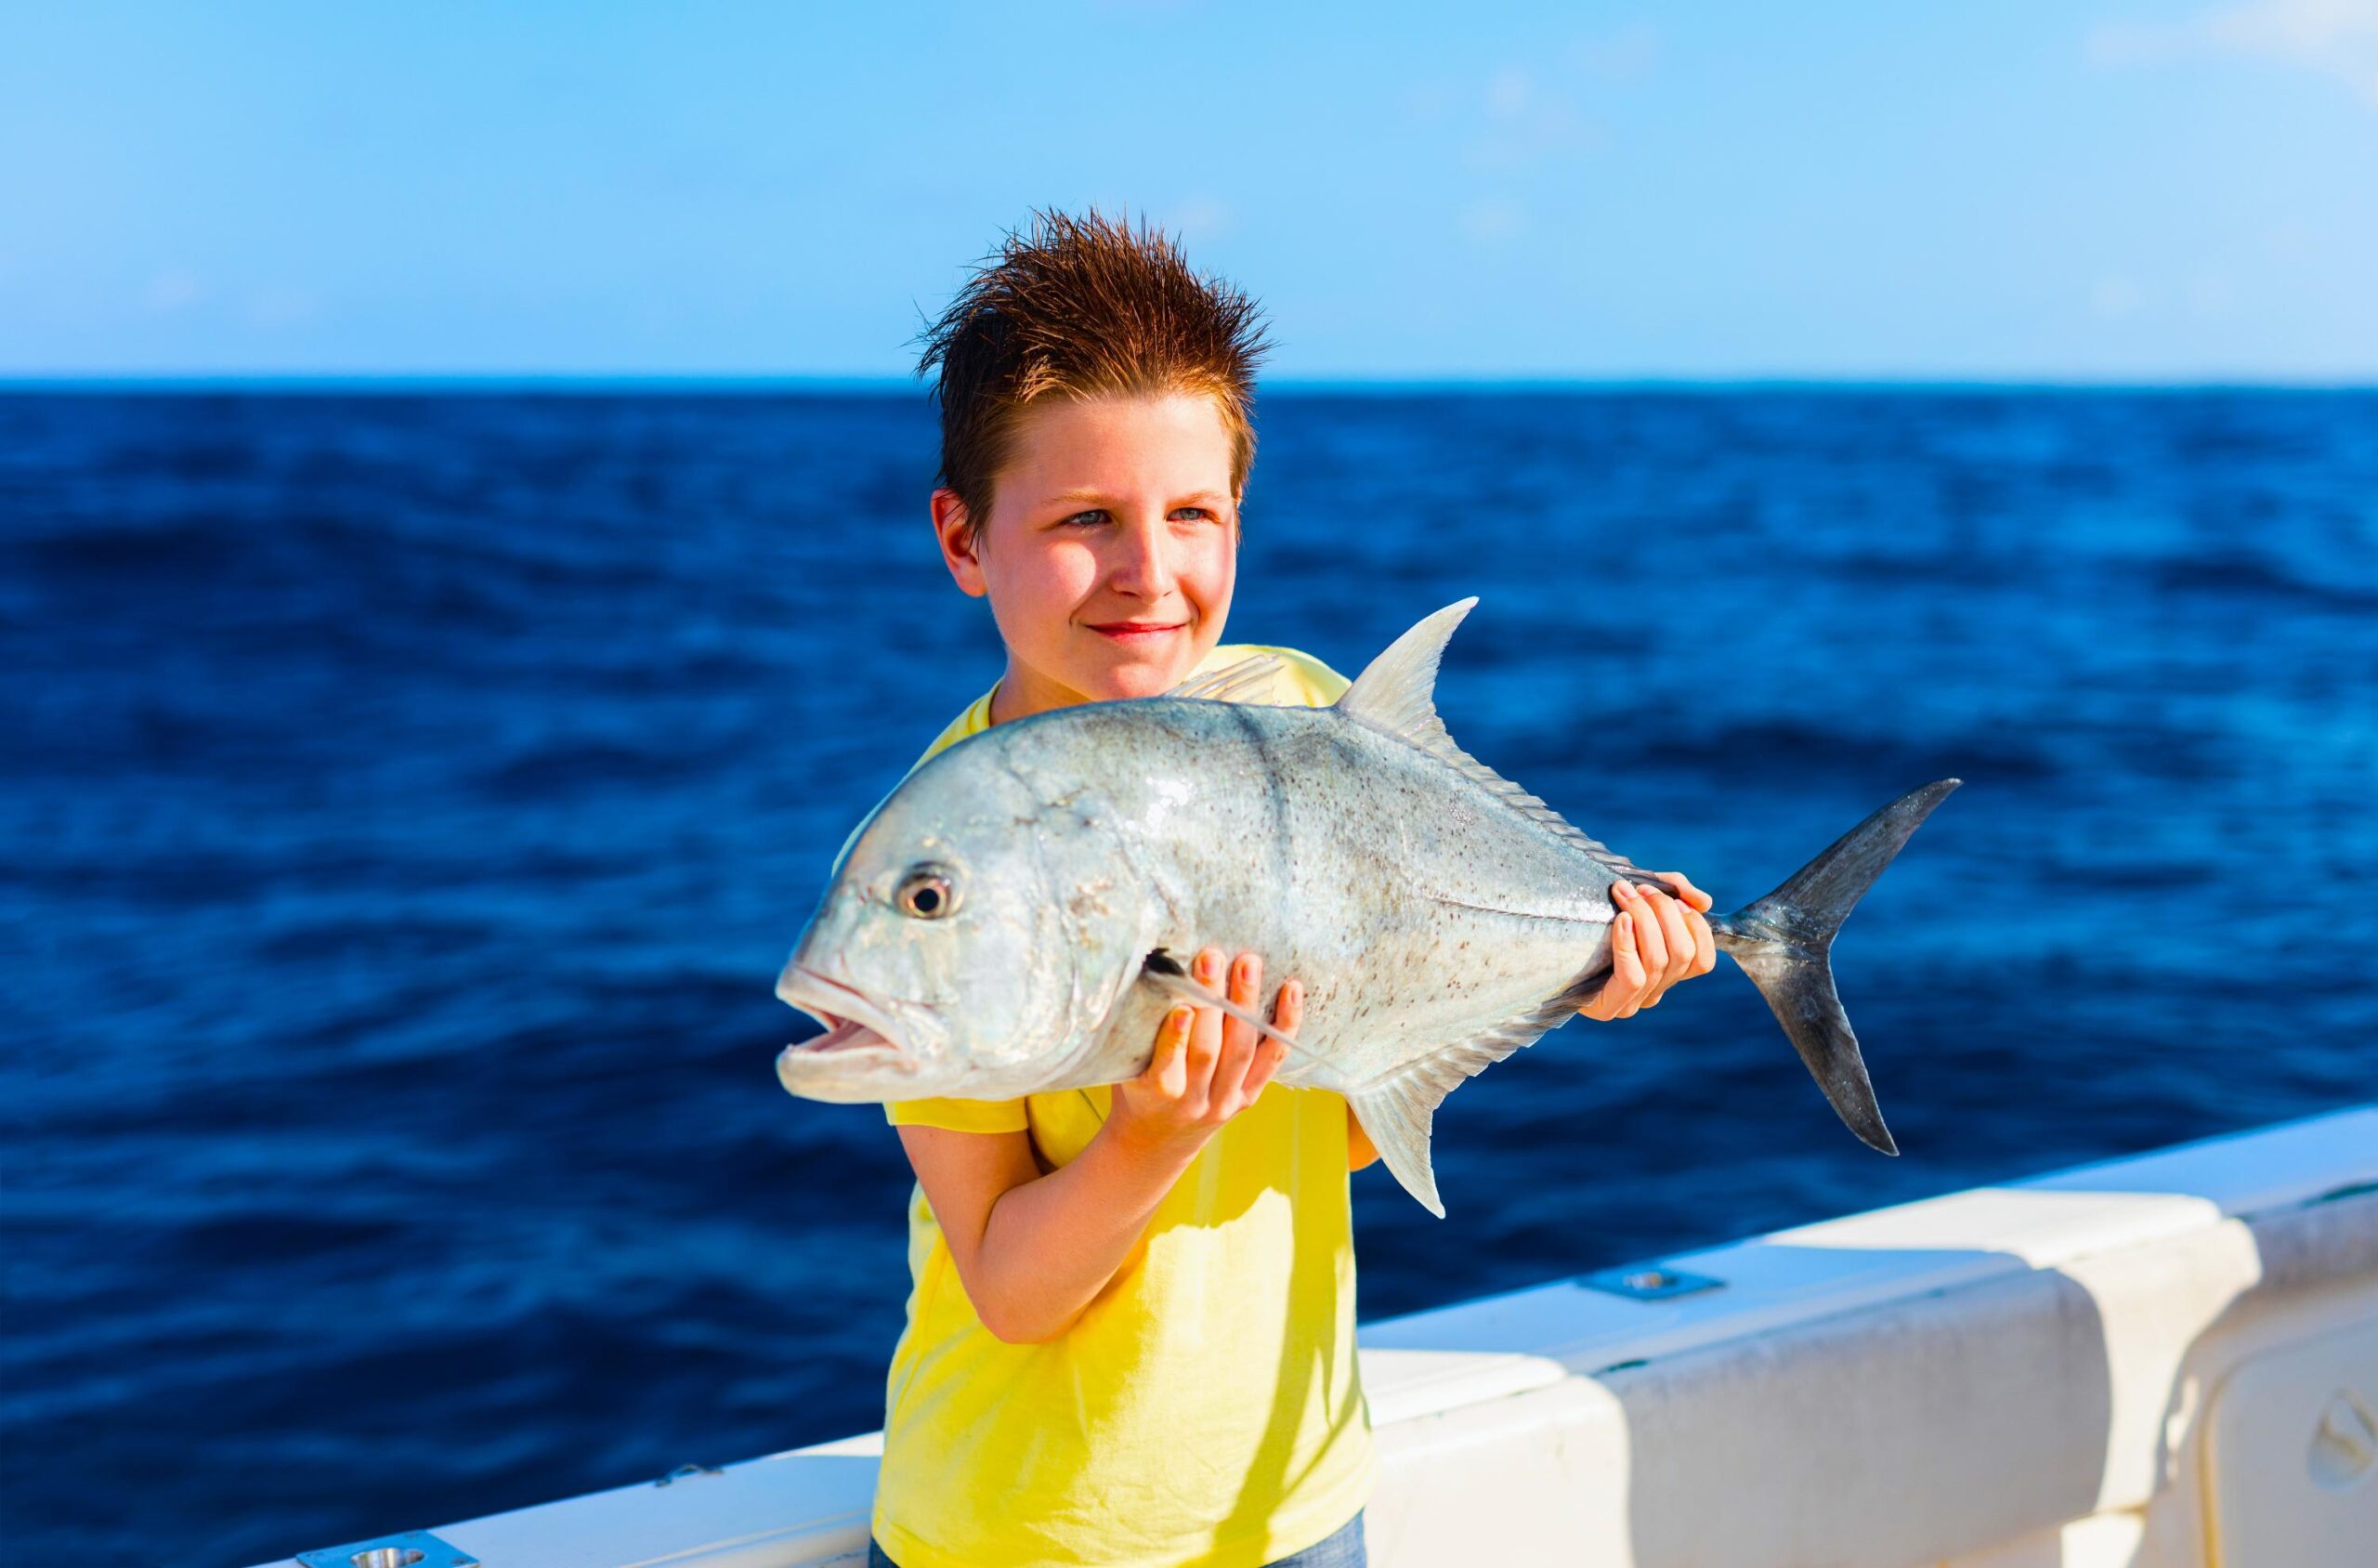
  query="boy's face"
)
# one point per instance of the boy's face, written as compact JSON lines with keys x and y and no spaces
{"x":1110,"y":552}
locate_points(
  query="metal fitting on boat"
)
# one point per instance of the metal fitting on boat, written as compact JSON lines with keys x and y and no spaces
{"x":1650,"y":1282}
{"x":411,"y":1548}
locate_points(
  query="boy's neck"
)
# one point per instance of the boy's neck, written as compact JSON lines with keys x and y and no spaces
{"x":1023,"y":692}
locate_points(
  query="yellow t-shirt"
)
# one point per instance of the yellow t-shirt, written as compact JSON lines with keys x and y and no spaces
{"x":1204,"y":1408}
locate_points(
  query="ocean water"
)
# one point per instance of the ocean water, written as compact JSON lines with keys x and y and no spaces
{"x":408,"y":799}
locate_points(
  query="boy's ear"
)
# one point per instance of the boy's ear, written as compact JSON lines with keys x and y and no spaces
{"x":960,"y":549}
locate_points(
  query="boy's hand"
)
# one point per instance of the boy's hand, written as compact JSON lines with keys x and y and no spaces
{"x":1207,"y":1066}
{"x":1656,"y":942}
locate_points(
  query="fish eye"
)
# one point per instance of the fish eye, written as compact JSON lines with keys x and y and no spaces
{"x":927,"y":893}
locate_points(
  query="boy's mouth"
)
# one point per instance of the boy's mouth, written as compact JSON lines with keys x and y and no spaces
{"x":1138,"y":631}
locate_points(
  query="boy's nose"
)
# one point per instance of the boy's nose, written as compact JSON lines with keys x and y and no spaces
{"x":1141,"y":564}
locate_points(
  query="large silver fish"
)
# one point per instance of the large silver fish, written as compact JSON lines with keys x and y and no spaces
{"x":1014,"y":918}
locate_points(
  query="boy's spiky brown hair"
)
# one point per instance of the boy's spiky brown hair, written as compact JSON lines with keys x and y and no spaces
{"x":1084,"y":307}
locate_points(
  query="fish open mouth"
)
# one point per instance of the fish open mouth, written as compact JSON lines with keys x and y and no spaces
{"x":841,"y":1035}
{"x":855,"y":1025}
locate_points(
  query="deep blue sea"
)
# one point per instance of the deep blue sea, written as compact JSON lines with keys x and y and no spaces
{"x":408,"y":799}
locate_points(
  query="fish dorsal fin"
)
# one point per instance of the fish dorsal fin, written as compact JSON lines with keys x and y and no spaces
{"x":1238,"y":682}
{"x":1399,"y":1111}
{"x":1398,"y":692}
{"x":1398,"y":695}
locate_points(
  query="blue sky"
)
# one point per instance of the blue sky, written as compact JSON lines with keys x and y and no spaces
{"x":1973,"y":190}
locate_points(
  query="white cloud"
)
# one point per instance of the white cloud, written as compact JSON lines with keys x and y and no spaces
{"x":2115,"y":298}
{"x":1509,"y":92}
{"x":1494,"y":220}
{"x":1198,"y":217}
{"x":1527,"y":132}
{"x":172,"y":292}
{"x":2204,"y":295}
{"x":1429,"y":102}
{"x":1623,"y":54}
{"x":1523,"y":124}
{"x":2337,"y":38}
{"x":284,"y":307}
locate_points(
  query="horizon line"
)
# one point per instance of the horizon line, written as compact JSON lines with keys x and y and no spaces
{"x":766,"y":383}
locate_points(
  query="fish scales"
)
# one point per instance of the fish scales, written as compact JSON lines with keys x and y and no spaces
{"x":1415,"y":907}
{"x":1018,"y":915}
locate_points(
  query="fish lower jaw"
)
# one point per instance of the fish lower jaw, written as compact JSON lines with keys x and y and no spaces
{"x":848,"y":1064}
{"x":855,"y":1025}
{"x":845,"y":1036}
{"x":848,"y":1049}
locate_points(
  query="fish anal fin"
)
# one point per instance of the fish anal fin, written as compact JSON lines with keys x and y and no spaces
{"x":1397,"y":695}
{"x":1397,"y":1116}
{"x":1399,"y":1111}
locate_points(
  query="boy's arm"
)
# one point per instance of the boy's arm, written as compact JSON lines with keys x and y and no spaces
{"x":1032,"y":1249}
{"x":1360,"y":1150}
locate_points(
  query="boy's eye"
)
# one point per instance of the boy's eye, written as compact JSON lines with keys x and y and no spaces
{"x":1096,"y":515}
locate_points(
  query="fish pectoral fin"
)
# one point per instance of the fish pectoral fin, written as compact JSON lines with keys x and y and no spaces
{"x":1165,"y":972}
{"x":1399,"y":1112}
{"x":1239,"y":681}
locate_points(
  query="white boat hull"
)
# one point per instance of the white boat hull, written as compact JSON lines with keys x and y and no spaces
{"x":2165,"y":1360}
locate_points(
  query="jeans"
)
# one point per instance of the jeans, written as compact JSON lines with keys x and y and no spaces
{"x":1343,"y":1550}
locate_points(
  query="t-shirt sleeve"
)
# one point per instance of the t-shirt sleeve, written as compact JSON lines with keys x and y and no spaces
{"x":1313,"y":683}
{"x":959,"y":1116}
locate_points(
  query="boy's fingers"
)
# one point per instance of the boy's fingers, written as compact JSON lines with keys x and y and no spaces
{"x":1635,"y":972}
{"x":1238,"y":1040}
{"x":1649,"y":940}
{"x":1686,"y":890}
{"x":1626,"y":977}
{"x":1260,"y":1072}
{"x":1246,"y":979}
{"x":1676,"y":937}
{"x":1704,"y":942}
{"x":1205,"y":1030}
{"x":1167,"y":1069}
{"x":1287,"y":1012}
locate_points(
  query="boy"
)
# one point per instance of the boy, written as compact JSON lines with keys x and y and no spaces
{"x":1131,"y":1338}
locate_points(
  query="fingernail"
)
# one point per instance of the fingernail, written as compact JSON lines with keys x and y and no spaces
{"x":1206,"y":964}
